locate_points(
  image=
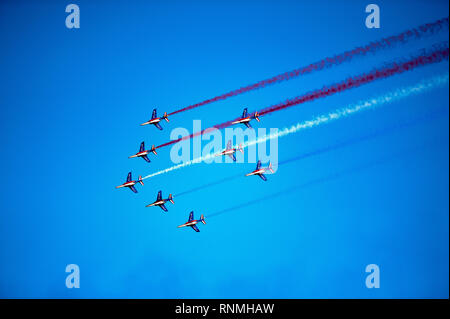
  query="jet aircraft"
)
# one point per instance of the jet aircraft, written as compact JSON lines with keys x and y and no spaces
{"x":130,"y":183}
{"x":193,"y":223}
{"x":245,"y":119}
{"x":261,"y":170}
{"x":160,"y":201}
{"x":155,"y":120}
{"x":231,"y":150}
{"x":143,"y":152}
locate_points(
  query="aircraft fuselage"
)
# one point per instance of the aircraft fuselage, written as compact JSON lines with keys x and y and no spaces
{"x":160,"y":202}
{"x":191,"y":223}
{"x":157,"y":120}
{"x":152,"y":121}
{"x":140,"y":154}
{"x":257,"y":172}
{"x":243,"y":120}
{"x":128,"y":184}
{"x":228,"y":152}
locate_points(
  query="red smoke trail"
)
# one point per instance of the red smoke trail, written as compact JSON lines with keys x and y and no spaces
{"x":395,"y":68}
{"x":415,"y":33}
{"x":433,"y":56}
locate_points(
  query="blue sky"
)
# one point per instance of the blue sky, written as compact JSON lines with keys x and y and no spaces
{"x":71,"y":105}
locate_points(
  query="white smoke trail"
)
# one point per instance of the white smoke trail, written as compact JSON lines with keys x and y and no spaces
{"x":188,"y":163}
{"x":423,"y":86}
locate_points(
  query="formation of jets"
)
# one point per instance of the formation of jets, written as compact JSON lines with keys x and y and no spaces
{"x":160,"y":201}
{"x":229,"y":151}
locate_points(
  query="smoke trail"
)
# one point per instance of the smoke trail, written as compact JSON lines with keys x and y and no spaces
{"x":321,"y":180}
{"x":342,"y":144}
{"x":188,"y":163}
{"x":395,"y":68}
{"x":433,"y":56}
{"x":415,"y":33}
{"x":360,"y":106}
{"x":352,"y":109}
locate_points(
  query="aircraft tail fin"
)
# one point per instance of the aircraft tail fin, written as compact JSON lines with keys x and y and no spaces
{"x":140,"y":180}
{"x":165,"y":117}
{"x":270,"y":168}
{"x":256,"y":116}
{"x":202,"y":219}
{"x":153,"y":150}
{"x":171,"y":199}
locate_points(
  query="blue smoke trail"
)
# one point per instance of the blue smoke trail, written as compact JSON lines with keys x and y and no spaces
{"x":324,"y":179}
{"x":342,"y":144}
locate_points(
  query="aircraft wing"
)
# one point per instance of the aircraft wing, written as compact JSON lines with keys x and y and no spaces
{"x":244,"y":114}
{"x":133,"y":188}
{"x":146,"y":158}
{"x":191,"y":216}
{"x":258,"y":165}
{"x":129,"y":177}
{"x":194,"y":227}
{"x":264,"y":178}
{"x":159,"y":197}
{"x":229,"y":145}
{"x":163,"y":207}
{"x":154,"y":114}
{"x":158,"y":126}
{"x":247,"y":124}
{"x":232,"y":157}
{"x":141,"y":149}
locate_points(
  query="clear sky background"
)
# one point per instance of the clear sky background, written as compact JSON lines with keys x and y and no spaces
{"x":71,"y":102}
